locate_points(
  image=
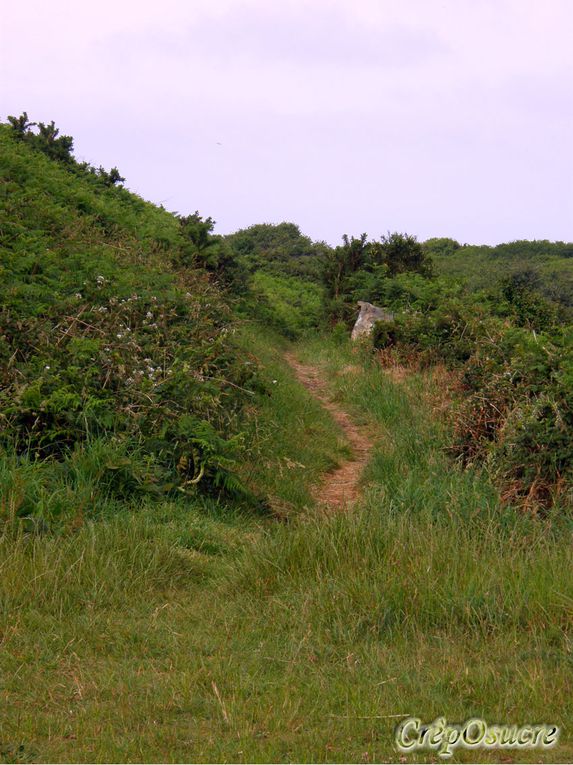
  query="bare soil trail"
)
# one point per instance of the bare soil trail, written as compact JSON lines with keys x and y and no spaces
{"x":340,"y":488}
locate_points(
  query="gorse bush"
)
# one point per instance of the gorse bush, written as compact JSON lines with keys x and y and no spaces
{"x":362,"y":270}
{"x":515,"y":363}
{"x":47,"y":139}
{"x":519,"y":413}
{"x":107,"y":333}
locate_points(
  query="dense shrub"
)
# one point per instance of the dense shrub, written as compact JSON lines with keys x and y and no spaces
{"x":107,"y":336}
{"x":278,"y":249}
{"x":360,"y":269}
{"x":517,"y":370}
{"x":483,"y":266}
{"x":519,"y":413}
{"x":283,"y":290}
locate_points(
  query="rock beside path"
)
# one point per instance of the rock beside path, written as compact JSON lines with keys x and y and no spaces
{"x":367,"y":318}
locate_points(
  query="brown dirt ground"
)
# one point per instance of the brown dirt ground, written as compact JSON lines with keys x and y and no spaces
{"x":340,"y":488}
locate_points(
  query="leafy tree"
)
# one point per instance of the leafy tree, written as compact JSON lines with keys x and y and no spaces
{"x":440,"y":246}
{"x":402,"y":253}
{"x":279,"y":249}
{"x":280,"y":241}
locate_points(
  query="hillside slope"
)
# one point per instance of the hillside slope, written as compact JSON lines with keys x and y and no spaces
{"x":111,"y":339}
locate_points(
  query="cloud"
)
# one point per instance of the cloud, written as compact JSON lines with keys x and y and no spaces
{"x":312,"y":36}
{"x":439,"y":116}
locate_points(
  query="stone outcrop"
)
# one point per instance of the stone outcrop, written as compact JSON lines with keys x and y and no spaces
{"x":367,"y":318}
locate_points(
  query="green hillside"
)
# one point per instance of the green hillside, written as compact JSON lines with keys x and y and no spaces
{"x":546,"y":265}
{"x":175,"y":587}
{"x":114,"y":341}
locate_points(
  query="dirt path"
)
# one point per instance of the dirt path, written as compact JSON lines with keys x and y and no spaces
{"x":340,"y":487}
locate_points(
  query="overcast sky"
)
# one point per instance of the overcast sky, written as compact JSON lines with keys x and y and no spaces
{"x":435,"y":117}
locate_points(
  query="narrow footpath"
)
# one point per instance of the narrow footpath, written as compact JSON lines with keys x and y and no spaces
{"x":340,"y":488}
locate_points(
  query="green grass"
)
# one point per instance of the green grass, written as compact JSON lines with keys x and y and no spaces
{"x":192,"y":632}
{"x":294,"y":440}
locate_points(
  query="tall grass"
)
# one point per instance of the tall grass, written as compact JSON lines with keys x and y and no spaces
{"x":188,"y":633}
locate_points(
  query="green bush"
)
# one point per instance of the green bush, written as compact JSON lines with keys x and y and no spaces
{"x":107,"y":337}
{"x":516,"y":366}
{"x":519,"y":413}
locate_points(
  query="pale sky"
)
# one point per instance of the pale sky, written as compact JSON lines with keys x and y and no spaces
{"x":435,"y":117}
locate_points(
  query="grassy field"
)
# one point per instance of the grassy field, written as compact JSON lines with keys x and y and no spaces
{"x":191,"y":632}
